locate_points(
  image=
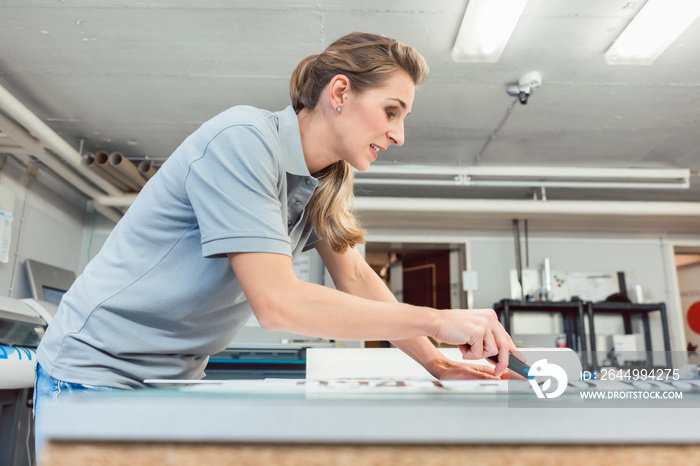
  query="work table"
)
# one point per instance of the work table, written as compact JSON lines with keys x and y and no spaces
{"x":153,"y":420}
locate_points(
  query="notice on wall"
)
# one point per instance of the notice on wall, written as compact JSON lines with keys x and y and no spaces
{"x":302,"y":266}
{"x":7,"y":204}
{"x":593,"y":286}
{"x":565,"y":285}
{"x":533,"y":286}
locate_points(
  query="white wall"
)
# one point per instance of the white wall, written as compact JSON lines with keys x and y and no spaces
{"x":641,"y":258}
{"x":645,"y":258}
{"x":95,"y":232}
{"x":51,"y":218}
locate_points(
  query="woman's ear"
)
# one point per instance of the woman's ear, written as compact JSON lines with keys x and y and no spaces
{"x":338,"y":89}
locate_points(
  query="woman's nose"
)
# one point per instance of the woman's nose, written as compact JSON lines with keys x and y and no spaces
{"x":397,"y":135}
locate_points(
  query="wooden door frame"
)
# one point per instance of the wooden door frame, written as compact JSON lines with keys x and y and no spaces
{"x":675,"y":296}
{"x":432,"y":239}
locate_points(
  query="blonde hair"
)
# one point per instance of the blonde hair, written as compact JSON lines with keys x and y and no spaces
{"x":368,"y":60}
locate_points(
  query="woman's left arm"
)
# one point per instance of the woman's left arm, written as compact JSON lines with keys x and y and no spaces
{"x":352,"y":274}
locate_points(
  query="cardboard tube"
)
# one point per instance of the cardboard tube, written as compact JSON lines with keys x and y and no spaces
{"x":89,"y":161}
{"x":147,"y":169}
{"x":127,"y":168}
{"x":102,"y":160}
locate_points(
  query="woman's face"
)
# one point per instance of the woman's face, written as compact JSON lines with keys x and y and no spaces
{"x":372,"y":121}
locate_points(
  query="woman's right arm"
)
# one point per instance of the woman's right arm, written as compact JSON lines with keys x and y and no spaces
{"x":282,"y":302}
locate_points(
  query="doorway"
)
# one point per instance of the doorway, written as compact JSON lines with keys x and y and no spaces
{"x":421,"y":274}
{"x":687,"y":260}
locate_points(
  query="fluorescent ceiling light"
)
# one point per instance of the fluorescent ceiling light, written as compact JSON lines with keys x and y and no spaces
{"x":524,"y":177}
{"x":655,"y":27}
{"x":486,"y":27}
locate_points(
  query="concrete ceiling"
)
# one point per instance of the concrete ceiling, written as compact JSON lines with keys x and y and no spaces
{"x":138,"y":77}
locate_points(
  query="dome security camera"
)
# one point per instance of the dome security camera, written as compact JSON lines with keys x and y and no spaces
{"x":526,"y":83}
{"x":532,"y":79}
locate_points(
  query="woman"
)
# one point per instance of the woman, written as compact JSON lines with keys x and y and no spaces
{"x":214,"y":233}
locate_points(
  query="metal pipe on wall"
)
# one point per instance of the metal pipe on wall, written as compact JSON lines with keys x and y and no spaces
{"x":518,"y":256}
{"x":39,"y":151}
{"x":527,"y":207}
{"x":123,"y":200}
{"x":690,"y":210}
{"x":127,"y":168}
{"x":147,"y":169}
{"x":24,"y":116}
{"x":102,"y":161}
{"x":390,"y":212}
{"x":89,"y":161}
{"x":515,"y":176}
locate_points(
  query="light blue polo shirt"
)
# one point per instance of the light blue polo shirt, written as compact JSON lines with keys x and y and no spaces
{"x":161,"y":295}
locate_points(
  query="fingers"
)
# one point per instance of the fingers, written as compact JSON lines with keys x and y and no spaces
{"x":464,"y":349}
{"x":513,"y":375}
{"x":514,"y":351}
{"x":484,"y":372}
{"x":474,"y":351}
{"x":490,"y":344}
{"x":502,"y":363}
{"x":495,"y":341}
{"x":508,"y":341}
{"x":468,"y":371}
{"x":503,"y":344}
{"x":479,"y":334}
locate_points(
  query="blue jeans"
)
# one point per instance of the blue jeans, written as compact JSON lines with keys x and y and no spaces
{"x":48,"y":388}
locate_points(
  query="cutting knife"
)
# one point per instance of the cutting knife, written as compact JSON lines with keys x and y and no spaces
{"x":514,"y":364}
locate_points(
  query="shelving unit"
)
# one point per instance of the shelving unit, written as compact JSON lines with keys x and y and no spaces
{"x":573,"y":312}
{"x":572,"y":318}
{"x":627,"y":311}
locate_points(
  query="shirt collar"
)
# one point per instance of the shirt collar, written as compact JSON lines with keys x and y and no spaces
{"x":290,"y":138}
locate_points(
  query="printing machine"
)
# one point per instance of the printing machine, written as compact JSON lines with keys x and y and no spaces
{"x":22,"y":324}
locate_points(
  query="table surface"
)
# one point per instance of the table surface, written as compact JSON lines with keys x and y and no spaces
{"x":247,"y":413}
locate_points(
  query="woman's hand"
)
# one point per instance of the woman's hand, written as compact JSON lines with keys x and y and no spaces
{"x":462,"y":371}
{"x":479,"y":334}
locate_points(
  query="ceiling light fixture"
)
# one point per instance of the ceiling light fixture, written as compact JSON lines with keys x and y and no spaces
{"x":526,"y":177}
{"x":486,"y":28}
{"x":655,"y":27}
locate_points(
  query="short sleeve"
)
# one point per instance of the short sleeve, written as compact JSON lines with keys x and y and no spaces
{"x":235,"y":189}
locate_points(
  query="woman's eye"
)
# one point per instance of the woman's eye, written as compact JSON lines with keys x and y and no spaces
{"x":390,"y":113}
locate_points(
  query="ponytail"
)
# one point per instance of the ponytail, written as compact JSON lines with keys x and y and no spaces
{"x":330,"y":208}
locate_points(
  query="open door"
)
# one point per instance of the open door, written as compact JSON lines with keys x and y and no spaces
{"x":422,"y":274}
{"x":426,"y":279}
{"x":688,"y":269}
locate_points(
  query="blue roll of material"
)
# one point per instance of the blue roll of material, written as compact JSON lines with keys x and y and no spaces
{"x":16,"y":367}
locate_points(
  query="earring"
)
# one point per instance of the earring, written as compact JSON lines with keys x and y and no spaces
{"x":338,"y":108}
